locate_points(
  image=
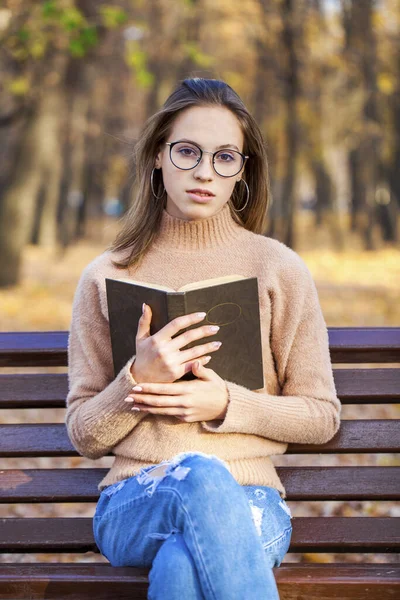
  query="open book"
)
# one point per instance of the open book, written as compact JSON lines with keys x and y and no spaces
{"x":232,"y":302}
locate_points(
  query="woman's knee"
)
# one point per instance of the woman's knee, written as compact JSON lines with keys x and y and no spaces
{"x":205,"y":472}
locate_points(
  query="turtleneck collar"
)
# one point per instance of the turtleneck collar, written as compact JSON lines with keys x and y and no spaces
{"x":215,"y":231}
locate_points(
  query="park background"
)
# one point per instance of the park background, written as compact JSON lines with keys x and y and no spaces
{"x":322,"y":78}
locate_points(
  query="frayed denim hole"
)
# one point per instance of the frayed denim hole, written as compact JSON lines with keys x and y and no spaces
{"x":173,"y":468}
{"x":110,"y":490}
{"x":257,"y":516}
{"x":260,"y":494}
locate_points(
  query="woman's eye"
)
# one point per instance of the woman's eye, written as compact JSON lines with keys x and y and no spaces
{"x":226,"y":157}
{"x":186,"y":151}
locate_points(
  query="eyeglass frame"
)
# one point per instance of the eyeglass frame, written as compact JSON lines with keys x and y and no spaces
{"x":172,"y":144}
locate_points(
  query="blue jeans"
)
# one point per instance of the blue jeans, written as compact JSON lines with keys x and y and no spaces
{"x":203,"y":535}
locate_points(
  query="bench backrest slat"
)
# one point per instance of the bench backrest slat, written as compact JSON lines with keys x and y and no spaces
{"x":48,"y":439}
{"x":347,"y":345}
{"x":301,"y":483}
{"x":49,"y":390}
{"x":336,"y":534}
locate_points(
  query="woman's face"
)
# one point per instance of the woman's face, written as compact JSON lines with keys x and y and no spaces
{"x":210,"y":128}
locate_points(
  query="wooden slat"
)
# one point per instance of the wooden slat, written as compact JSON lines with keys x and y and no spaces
{"x":341,"y":534}
{"x":310,"y":534}
{"x":49,"y":390}
{"x":34,"y":390}
{"x":47,"y":439}
{"x":347,"y":345}
{"x":337,"y":581}
{"x":370,"y":435}
{"x":35,"y":439}
{"x":367,"y":386}
{"x":364,"y":344}
{"x":93,"y":581}
{"x":301,"y":483}
{"x":33,"y":348}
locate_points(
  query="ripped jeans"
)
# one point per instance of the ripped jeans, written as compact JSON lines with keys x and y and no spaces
{"x":201,"y":534}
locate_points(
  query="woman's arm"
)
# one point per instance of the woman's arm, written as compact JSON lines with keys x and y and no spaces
{"x":308,"y":411}
{"x":97,"y":418}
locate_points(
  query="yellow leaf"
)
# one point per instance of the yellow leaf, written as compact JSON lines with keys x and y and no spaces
{"x":385,"y":83}
{"x":19,"y":86}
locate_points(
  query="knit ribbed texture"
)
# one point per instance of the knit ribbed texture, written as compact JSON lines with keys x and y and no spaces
{"x":298,"y":403}
{"x":188,"y":236}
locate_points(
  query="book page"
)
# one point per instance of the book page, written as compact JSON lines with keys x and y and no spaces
{"x":210,"y":282}
{"x":147,"y":284}
{"x":189,"y":286}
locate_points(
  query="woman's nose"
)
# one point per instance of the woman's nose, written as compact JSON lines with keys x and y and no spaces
{"x":204,"y":168}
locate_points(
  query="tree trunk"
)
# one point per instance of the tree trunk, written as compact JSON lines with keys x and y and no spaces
{"x":51,"y":172}
{"x":157,"y":65}
{"x":394,"y":174}
{"x":19,"y":200}
{"x":291,"y":93}
{"x":365,"y":158}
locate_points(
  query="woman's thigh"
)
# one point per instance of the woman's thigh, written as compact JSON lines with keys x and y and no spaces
{"x":130,"y":526}
{"x":272,"y":519}
{"x":133,"y":519}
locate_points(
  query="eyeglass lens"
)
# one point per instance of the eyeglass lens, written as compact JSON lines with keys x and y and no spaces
{"x":227,"y":162}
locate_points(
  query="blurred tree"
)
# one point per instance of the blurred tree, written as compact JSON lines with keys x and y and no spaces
{"x":365,"y":155}
{"x":291,"y":34}
{"x":79,"y":79}
{"x":326,"y":206}
{"x":390,"y":85}
{"x":37,"y":44}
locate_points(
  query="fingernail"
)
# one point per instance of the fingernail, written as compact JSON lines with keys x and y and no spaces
{"x":137,"y":388}
{"x":143,"y":307}
{"x":135,"y":408}
{"x":207,"y":360}
{"x":128,"y":399}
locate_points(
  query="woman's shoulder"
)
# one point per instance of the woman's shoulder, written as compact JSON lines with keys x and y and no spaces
{"x":92,"y":281}
{"x":277,"y":258}
{"x":101,"y":267}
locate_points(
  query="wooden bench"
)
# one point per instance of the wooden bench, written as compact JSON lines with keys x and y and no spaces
{"x":360,"y":534}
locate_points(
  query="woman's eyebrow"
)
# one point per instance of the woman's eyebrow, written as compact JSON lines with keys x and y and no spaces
{"x":217,"y":148}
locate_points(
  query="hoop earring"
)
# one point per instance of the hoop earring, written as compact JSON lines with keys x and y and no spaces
{"x":152,"y":186}
{"x":247,"y":199}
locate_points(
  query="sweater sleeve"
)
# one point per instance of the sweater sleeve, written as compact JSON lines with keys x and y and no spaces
{"x":97,"y":418}
{"x":308,"y":410}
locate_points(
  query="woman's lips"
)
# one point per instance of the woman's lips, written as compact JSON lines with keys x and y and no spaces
{"x":198,"y":198}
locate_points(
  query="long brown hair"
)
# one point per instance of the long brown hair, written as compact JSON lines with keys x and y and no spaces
{"x":141,"y":222}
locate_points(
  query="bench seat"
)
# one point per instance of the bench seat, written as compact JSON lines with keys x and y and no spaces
{"x":360,"y":384}
{"x":295,"y":581}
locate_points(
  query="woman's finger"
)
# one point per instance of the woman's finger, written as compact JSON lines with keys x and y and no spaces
{"x":177,"y":388}
{"x":155,"y":401}
{"x":169,"y":411}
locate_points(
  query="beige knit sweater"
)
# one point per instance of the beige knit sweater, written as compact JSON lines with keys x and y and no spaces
{"x":298,"y":403}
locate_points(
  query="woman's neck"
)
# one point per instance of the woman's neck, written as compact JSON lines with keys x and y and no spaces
{"x":185,"y":235}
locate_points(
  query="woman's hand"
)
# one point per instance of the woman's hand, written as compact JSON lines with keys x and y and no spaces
{"x":159,"y":357}
{"x":201,"y":399}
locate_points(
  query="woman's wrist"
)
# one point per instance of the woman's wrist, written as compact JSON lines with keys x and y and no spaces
{"x":132,"y":371}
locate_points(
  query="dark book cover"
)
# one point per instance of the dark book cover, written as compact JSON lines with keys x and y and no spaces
{"x":231,"y":302}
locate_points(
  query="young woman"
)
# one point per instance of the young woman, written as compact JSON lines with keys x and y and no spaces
{"x":193,"y":493}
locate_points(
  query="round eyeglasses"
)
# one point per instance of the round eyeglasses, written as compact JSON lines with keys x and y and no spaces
{"x":187,"y":155}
